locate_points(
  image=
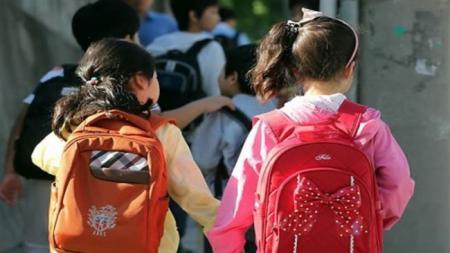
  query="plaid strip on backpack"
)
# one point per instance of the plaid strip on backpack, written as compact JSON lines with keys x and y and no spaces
{"x":118,"y":161}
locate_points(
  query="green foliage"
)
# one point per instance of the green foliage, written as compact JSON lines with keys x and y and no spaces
{"x":255,"y":17}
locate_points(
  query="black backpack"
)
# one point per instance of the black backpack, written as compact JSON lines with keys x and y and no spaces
{"x":179,"y":76}
{"x":227,"y":42}
{"x":37,"y":121}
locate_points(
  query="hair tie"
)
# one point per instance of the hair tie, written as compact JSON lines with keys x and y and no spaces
{"x":94,"y":81}
{"x":293,"y":27}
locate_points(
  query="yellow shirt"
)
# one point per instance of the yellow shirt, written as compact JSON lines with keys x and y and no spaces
{"x":186,"y":183}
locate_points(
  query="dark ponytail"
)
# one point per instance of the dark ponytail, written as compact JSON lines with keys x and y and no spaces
{"x":105,"y":69}
{"x":275,"y":61}
{"x":319,"y":49}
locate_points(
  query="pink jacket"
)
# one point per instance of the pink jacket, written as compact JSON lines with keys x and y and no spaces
{"x":391,"y":167}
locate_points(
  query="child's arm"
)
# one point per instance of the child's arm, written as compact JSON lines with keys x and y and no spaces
{"x":394,"y":181}
{"x":189,"y":112}
{"x":11,"y":183}
{"x":47,"y":154}
{"x":235,"y":214}
{"x":186,"y":183}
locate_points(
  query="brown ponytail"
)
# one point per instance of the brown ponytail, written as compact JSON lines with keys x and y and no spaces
{"x":275,"y":61}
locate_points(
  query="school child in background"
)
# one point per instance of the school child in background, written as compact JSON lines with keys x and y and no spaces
{"x":188,"y":64}
{"x":322,"y":173}
{"x":189,"y":61}
{"x":153,"y":23}
{"x":120,"y":83}
{"x":218,"y":140}
{"x":227,"y":33}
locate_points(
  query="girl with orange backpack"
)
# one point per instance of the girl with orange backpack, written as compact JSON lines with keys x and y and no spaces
{"x":116,"y":164}
{"x":321,"y":174}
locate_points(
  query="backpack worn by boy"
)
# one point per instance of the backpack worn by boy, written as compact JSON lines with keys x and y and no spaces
{"x":227,"y":42}
{"x":317,"y":192}
{"x":37,"y":121}
{"x":179,"y":76}
{"x":110,"y":194}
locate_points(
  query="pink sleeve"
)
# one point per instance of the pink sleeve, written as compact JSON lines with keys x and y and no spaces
{"x":235,"y":213}
{"x":394,"y":181}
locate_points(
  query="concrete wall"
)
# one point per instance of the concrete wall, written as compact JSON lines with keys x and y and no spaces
{"x":35,"y":36}
{"x":405,"y":73}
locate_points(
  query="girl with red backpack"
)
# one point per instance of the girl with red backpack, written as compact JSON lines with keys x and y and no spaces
{"x":321,"y":174}
{"x":116,"y":163}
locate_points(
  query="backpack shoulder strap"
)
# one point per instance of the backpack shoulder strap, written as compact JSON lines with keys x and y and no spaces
{"x":277,"y":122}
{"x":70,"y":70}
{"x":198,"y":46}
{"x":237,"y":114}
{"x":236,"y":38}
{"x":157,"y":121}
{"x":349,"y":117}
{"x":69,"y":76}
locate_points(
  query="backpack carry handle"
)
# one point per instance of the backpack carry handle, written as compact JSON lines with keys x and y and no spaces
{"x":148,"y":125}
{"x":92,"y":121}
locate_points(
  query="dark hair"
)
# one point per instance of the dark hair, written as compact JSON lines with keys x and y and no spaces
{"x":104,"y":19}
{"x":110,"y":63}
{"x":319,"y":49}
{"x":241,"y":60}
{"x":226,"y":14}
{"x":308,"y":4}
{"x":181,"y":9}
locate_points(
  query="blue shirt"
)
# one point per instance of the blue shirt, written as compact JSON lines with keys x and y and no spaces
{"x":154,"y":25}
{"x":224,"y":29}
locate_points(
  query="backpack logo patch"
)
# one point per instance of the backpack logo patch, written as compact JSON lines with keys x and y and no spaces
{"x":102,"y":219}
{"x":323,"y":157}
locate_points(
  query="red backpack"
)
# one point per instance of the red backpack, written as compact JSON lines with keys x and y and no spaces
{"x":317,"y":192}
{"x":110,"y":193}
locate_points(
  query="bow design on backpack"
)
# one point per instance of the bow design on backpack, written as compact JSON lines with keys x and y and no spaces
{"x":344,"y":203}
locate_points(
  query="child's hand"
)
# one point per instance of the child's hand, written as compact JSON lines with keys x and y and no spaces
{"x":10,"y":188}
{"x":212,"y":104}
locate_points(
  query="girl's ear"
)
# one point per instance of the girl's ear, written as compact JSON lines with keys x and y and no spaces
{"x":348,"y":72}
{"x":139,"y":82}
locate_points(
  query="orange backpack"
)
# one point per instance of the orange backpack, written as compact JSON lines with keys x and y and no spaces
{"x":110,"y":194}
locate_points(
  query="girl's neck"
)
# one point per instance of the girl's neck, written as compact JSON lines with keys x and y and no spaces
{"x":317,"y":88}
